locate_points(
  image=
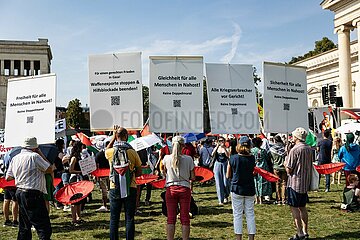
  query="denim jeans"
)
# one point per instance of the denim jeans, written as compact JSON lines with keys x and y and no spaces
{"x":221,"y":182}
{"x":115,"y":208}
{"x":33,"y":212}
{"x":243,"y":204}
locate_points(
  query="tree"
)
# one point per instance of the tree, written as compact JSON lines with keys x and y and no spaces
{"x":145,"y":94}
{"x":74,"y":114}
{"x":257,"y":79}
{"x":207,"y":127}
{"x":323,"y":45}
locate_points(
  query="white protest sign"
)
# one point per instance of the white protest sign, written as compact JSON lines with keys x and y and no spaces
{"x":232,"y":99}
{"x":87,"y":165}
{"x":285,"y":98}
{"x":60,"y":125}
{"x":176,"y":94}
{"x":3,"y":149}
{"x":30,"y":109}
{"x":115,"y":88}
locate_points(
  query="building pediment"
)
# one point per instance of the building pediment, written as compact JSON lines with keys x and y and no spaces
{"x":313,"y":90}
{"x":335,"y":5}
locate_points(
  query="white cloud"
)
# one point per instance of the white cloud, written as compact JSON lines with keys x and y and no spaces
{"x":235,"y":38}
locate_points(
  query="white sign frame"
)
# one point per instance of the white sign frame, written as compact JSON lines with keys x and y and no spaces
{"x":30,"y":109}
{"x":87,"y":165}
{"x":176,"y":94}
{"x":285,"y":97}
{"x":232,"y":99}
{"x":115,"y":91}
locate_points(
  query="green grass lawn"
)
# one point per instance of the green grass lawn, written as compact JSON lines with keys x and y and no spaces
{"x":326,"y":221}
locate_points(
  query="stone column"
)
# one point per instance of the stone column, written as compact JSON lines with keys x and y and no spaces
{"x":11,"y":67}
{"x":21,"y":73}
{"x":345,"y":81}
{"x":2,"y":68}
{"x":356,"y":23}
{"x":31,"y":68}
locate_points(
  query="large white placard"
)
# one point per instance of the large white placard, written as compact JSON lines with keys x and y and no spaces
{"x":30,"y":109}
{"x":176,"y":94}
{"x":115,"y":88}
{"x":285,"y":98}
{"x":232,"y":99}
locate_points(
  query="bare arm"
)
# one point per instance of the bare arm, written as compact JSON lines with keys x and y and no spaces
{"x":111,"y":144}
{"x":72,"y":166}
{"x":192,"y":175}
{"x":228,"y":172}
{"x":289,"y":170}
{"x":214,"y":150}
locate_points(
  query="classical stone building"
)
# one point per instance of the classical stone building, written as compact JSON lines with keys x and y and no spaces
{"x":323,"y":71}
{"x":338,"y":67}
{"x":21,"y":58}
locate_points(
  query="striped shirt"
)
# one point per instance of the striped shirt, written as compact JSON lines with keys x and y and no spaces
{"x":28,"y":168}
{"x":300,"y":161}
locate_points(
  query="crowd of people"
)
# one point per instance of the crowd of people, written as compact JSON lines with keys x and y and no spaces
{"x":232,"y":160}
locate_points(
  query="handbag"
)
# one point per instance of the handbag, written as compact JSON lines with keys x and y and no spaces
{"x":314,"y":182}
{"x":212,"y":161}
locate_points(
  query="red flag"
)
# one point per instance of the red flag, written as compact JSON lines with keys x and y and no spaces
{"x":262,"y":135}
{"x":267,"y":175}
{"x":84,"y":139}
{"x":329,"y":168}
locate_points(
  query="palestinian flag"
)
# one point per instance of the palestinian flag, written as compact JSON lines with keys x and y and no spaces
{"x":86,"y":140}
{"x":146,"y":129}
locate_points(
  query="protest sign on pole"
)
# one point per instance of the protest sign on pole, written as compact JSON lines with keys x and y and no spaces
{"x":115,"y":89}
{"x":232,"y":99}
{"x":3,"y":149}
{"x":87,"y":165}
{"x":285,"y":98}
{"x":176,"y":94}
{"x":30,"y":109}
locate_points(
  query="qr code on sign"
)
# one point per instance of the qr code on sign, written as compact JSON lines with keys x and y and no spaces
{"x":115,"y":100}
{"x":287,"y":106}
{"x":30,"y":119}
{"x":234,"y":111}
{"x":177,"y":103}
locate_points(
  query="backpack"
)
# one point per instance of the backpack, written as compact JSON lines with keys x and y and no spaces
{"x":120,"y":173}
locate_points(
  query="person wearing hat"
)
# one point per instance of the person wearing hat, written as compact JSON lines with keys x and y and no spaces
{"x":28,"y":168}
{"x":240,"y":172}
{"x":299,"y":167}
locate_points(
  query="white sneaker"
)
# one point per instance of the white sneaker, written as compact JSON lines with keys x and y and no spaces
{"x":67,"y":208}
{"x":102,"y":209}
{"x":226,"y":200}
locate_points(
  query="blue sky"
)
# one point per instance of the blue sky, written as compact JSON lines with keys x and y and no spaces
{"x":237,"y":31}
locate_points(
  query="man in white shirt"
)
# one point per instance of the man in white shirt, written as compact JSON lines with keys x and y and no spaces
{"x":28,"y":168}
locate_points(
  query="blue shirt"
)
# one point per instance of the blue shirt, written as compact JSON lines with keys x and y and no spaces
{"x":242,"y":167}
{"x":350,"y":158}
{"x":205,"y":155}
{"x":325,"y":147}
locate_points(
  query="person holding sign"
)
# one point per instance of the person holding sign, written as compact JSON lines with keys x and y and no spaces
{"x":28,"y":168}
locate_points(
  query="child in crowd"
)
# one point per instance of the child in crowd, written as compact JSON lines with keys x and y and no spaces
{"x":351,"y":194}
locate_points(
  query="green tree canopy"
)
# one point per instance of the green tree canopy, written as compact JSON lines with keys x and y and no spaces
{"x":74,"y":114}
{"x":323,"y":45}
